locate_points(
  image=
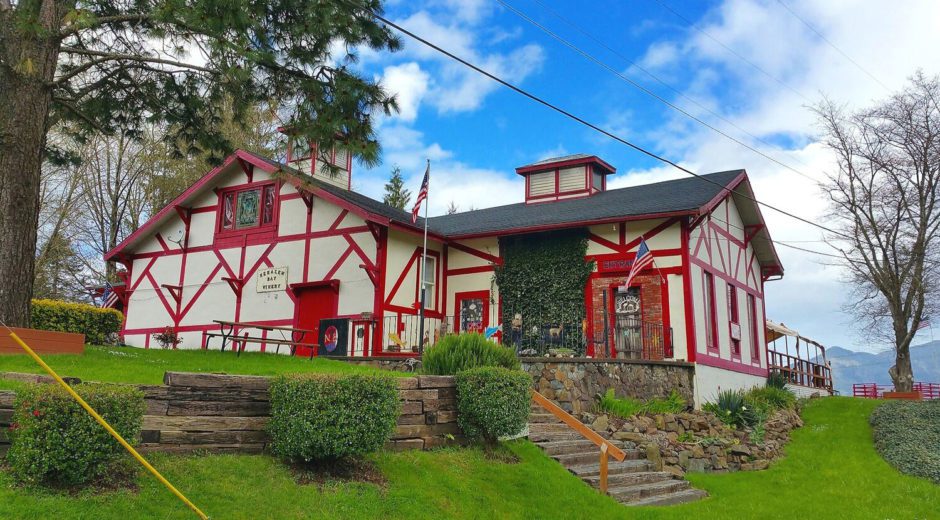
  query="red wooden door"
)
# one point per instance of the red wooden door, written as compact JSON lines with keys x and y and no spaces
{"x":314,"y":304}
{"x":472,"y":311}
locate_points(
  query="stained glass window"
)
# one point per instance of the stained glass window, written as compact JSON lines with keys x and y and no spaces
{"x":247,"y":215}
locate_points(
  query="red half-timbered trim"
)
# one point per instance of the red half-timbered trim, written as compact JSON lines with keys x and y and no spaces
{"x":476,"y":252}
{"x":713,"y":360}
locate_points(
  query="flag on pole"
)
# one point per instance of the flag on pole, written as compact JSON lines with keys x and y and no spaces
{"x":923,"y":325}
{"x":422,"y":194}
{"x":642,"y":260}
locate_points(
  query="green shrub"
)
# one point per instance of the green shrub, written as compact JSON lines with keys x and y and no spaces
{"x":626,"y":406}
{"x":56,"y":442}
{"x":492,"y":402}
{"x":771,"y":398}
{"x":320,"y":416}
{"x":95,"y":323}
{"x":454,"y":353}
{"x":907,"y":435}
{"x":776,"y":379}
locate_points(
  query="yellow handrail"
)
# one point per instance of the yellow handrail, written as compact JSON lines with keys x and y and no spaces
{"x":606,"y":448}
{"x":106,"y":426}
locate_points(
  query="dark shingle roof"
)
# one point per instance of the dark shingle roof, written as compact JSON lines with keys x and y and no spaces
{"x":687,"y":194}
{"x":660,"y":197}
{"x":550,"y":160}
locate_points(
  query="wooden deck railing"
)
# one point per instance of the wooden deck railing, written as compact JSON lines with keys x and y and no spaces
{"x":800,"y":371}
{"x":606,"y":448}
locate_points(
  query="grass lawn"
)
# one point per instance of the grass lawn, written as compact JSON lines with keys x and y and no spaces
{"x":135,"y":365}
{"x":832,"y":471}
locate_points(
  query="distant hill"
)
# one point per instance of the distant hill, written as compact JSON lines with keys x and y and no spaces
{"x":849,"y":366}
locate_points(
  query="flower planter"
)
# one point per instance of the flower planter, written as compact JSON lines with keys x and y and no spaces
{"x":910,"y":396}
{"x":43,"y":342}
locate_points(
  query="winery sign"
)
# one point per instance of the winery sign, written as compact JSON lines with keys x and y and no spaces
{"x":272,"y":279}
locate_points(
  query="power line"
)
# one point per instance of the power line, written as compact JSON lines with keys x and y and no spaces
{"x":652,"y":94}
{"x":732,"y":51}
{"x":840,"y":51}
{"x":593,"y":126}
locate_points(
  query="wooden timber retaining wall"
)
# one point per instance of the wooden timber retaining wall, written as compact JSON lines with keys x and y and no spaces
{"x":221,"y":413}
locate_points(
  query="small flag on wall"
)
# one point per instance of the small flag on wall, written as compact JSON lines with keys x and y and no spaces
{"x":422,"y":194}
{"x":642,"y":260}
{"x":109,"y":298}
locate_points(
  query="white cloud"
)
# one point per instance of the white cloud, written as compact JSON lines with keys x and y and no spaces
{"x":409,"y":84}
{"x":891,"y":40}
{"x":463,"y":89}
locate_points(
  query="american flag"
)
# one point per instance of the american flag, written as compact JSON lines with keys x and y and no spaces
{"x":422,"y":194}
{"x":642,"y":260}
{"x":109,"y":298}
{"x":923,"y":325}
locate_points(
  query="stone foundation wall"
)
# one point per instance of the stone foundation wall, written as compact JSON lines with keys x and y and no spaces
{"x":573,"y":383}
{"x":698,"y":442}
{"x":228,"y":414}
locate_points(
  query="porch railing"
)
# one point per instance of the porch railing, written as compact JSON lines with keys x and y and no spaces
{"x":799,"y":371}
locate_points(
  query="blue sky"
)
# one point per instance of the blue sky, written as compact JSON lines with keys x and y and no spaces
{"x":476,"y":132}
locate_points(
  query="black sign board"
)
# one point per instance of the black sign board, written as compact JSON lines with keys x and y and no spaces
{"x":334,"y":337}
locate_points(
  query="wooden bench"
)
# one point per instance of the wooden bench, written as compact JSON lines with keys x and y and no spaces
{"x":241,"y":341}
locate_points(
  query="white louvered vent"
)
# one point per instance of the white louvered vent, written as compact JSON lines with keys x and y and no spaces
{"x":541,"y":184}
{"x":571,"y":179}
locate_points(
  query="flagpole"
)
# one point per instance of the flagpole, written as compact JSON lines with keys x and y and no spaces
{"x":424,"y":262}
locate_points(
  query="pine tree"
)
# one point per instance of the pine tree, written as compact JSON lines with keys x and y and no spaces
{"x":396,"y":195}
{"x":95,"y":67}
{"x":452,"y":208}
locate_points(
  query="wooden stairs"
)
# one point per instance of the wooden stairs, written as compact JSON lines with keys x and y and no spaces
{"x":634,"y":481}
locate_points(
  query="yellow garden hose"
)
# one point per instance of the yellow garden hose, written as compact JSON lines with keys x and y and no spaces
{"x":106,"y":426}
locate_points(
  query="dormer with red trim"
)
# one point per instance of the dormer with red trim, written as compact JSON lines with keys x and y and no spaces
{"x":300,"y":155}
{"x":568,"y":177}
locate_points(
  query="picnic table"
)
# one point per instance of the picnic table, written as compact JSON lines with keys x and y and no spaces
{"x":228,"y":331}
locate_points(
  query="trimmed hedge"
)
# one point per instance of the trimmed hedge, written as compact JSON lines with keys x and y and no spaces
{"x":95,"y":323}
{"x":907,"y":435}
{"x":454,"y":353}
{"x":319,"y":416}
{"x":492,"y":402}
{"x":56,"y":442}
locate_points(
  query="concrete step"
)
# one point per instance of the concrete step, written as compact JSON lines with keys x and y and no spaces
{"x":572,"y":446}
{"x":630,"y":479}
{"x":679,"y":497}
{"x":632,"y":493}
{"x":558,"y":435}
{"x":549,"y":427}
{"x":537,"y":417}
{"x":590,"y":456}
{"x":613,"y":468}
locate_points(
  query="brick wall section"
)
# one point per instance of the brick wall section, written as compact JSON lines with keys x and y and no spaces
{"x":573,"y":383}
{"x":651,"y":303}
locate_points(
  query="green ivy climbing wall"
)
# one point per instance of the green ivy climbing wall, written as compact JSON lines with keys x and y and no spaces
{"x":543,"y":277}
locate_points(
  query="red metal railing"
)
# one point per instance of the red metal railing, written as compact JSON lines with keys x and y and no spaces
{"x":876,"y":391}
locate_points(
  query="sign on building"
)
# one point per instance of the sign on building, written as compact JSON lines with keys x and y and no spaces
{"x":272,"y":279}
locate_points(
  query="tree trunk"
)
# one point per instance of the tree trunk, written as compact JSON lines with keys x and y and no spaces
{"x":902,"y":375}
{"x":24,"y":116}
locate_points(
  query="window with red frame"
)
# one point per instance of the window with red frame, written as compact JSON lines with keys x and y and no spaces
{"x":752,"y":325}
{"x":711,"y":321}
{"x":248,"y":208}
{"x":734,"y":322}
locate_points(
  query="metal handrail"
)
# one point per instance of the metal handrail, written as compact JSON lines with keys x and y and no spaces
{"x":606,"y":447}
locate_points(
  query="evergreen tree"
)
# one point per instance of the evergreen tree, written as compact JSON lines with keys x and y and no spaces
{"x":108,"y":66}
{"x":396,"y":195}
